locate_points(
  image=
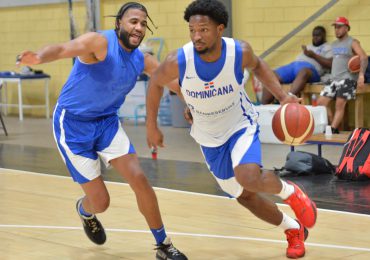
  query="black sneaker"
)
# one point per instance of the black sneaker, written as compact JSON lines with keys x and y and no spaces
{"x":166,"y":251}
{"x":92,"y":226}
{"x":335,"y":130}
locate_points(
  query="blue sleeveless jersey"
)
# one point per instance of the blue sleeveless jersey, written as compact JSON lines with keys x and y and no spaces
{"x":98,"y":90}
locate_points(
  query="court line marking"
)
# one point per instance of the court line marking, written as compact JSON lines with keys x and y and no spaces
{"x":176,"y":233}
{"x":119,"y":230}
{"x":172,"y":190}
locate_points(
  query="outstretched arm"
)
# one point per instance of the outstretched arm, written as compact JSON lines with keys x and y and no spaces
{"x":90,"y":47}
{"x":151,"y":64}
{"x":265,"y":75}
{"x":363,"y":62}
{"x":167,"y":72}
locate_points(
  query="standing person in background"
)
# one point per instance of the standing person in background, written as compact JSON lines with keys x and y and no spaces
{"x":309,"y":65}
{"x":342,"y":84}
{"x":86,"y":125}
{"x":210,"y":70}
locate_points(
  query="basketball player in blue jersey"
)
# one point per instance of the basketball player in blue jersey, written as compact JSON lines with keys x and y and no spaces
{"x":86,"y":125}
{"x":210,"y":72}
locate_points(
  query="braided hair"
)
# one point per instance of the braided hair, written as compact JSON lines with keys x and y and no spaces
{"x":128,"y":6}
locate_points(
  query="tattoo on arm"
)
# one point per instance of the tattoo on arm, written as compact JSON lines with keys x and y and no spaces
{"x":364,"y":63}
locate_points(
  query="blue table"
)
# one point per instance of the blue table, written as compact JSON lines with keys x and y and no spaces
{"x":10,"y":77}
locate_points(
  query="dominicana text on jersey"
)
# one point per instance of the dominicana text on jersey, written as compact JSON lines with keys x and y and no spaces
{"x":214,"y":93}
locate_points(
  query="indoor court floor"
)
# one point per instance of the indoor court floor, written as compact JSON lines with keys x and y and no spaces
{"x":38,"y":218}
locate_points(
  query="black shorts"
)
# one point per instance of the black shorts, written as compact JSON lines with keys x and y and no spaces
{"x":345,"y":88}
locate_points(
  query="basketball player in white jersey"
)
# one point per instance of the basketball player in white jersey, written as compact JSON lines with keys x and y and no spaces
{"x":210,"y":72}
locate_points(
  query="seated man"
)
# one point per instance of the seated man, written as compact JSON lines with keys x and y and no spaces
{"x":308,"y":66}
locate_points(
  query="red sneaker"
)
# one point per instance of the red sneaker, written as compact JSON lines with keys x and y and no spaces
{"x":303,"y":207}
{"x":296,"y":238}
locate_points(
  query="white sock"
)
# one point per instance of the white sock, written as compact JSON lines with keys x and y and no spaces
{"x":288,"y":223}
{"x":286,"y":190}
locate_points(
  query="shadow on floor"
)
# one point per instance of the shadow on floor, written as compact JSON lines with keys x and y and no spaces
{"x":326,"y":190}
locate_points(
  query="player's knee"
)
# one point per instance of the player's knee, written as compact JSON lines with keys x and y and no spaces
{"x":322,"y":101}
{"x":305,"y":74}
{"x":139,"y":181}
{"x":252,"y":182}
{"x":248,"y":177}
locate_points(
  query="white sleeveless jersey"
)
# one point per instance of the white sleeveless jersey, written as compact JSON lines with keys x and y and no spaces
{"x":220,"y":107}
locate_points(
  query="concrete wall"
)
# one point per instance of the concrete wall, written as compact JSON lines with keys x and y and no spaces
{"x":29,"y":28}
{"x":260,"y":22}
{"x":264,"y":22}
{"x":167,"y":15}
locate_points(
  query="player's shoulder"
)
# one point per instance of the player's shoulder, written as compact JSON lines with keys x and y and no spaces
{"x":95,"y":35}
{"x":94,"y":39}
{"x":356,"y":41}
{"x":95,"y":43}
{"x":92,"y":36}
{"x":244,"y":46}
{"x":327,"y":45}
{"x":243,"y":43}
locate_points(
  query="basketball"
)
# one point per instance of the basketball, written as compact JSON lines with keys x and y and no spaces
{"x":354,"y":64}
{"x":293,"y":124}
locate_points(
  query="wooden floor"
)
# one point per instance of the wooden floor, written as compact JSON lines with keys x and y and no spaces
{"x":38,"y":221}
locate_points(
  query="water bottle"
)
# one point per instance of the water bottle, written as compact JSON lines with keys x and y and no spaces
{"x":154,"y":153}
{"x":314,"y":100}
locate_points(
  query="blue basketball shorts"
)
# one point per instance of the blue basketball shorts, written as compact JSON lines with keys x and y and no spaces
{"x":243,"y":147}
{"x":289,"y":72}
{"x":81,"y":142}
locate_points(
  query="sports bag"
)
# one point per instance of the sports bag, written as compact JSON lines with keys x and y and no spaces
{"x":304,"y":163}
{"x":367,"y":71}
{"x":354,"y":163}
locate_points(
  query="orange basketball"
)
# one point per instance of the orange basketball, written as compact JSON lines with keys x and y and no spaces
{"x":293,"y":124}
{"x":354,"y":64}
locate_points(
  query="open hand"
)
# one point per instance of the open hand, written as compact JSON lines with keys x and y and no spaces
{"x":309,"y":53}
{"x":361,"y":82}
{"x":28,"y":58}
{"x":290,"y":98}
{"x":154,"y":138}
